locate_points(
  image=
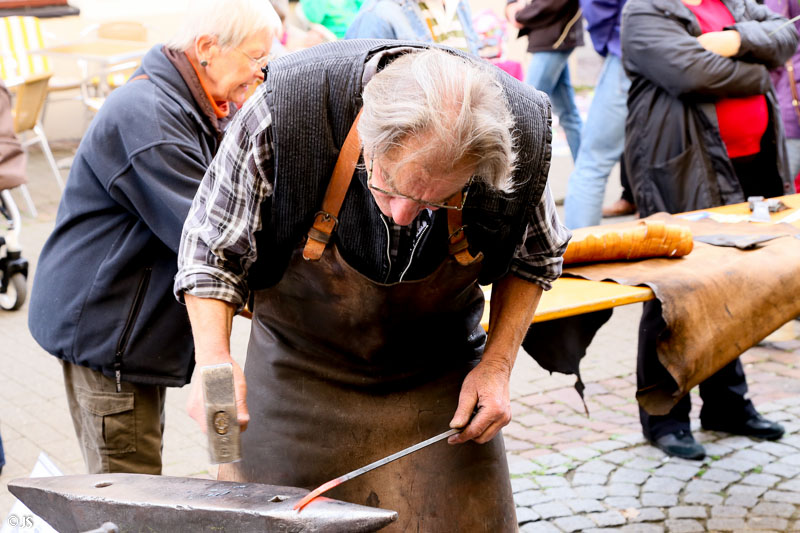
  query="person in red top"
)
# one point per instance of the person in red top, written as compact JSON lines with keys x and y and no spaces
{"x":703,"y":130}
{"x":742,"y":120}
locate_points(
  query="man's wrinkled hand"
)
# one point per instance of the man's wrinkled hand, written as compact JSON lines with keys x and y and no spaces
{"x":486,"y":392}
{"x":195,"y":405}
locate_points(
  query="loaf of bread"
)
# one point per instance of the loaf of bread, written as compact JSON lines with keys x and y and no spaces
{"x":649,"y":238}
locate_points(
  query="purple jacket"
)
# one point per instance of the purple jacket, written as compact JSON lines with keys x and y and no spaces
{"x":603,"y":22}
{"x":780,"y":76}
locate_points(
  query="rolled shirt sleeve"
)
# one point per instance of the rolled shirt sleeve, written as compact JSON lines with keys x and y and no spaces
{"x":539,"y":257}
{"x":217,"y":243}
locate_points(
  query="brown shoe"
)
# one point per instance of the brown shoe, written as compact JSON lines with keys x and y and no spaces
{"x":619,"y":208}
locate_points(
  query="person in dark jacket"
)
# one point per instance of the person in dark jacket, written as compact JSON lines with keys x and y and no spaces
{"x":102,"y":296}
{"x":703,"y":130}
{"x":786,"y":80}
{"x":554,"y":29}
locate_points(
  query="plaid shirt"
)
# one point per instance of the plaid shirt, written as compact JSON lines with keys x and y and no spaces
{"x":218,"y":244}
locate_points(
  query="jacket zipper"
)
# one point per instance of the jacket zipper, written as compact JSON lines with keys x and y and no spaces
{"x":413,"y":250}
{"x":126,"y":331}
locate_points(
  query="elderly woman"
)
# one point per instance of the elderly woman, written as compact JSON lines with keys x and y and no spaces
{"x":102,"y":298}
{"x":703,"y":129}
{"x":366,"y":321}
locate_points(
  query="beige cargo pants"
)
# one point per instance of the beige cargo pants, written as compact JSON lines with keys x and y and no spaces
{"x":117,"y":431}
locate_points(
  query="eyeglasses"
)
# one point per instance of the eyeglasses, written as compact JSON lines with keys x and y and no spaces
{"x":450,"y":203}
{"x":260,"y":62}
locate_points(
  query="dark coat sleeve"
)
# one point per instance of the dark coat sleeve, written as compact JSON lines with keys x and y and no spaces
{"x":660,"y":49}
{"x":767,"y":38}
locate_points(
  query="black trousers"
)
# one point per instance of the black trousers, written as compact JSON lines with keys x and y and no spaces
{"x":754,"y":179}
{"x":723,"y":393}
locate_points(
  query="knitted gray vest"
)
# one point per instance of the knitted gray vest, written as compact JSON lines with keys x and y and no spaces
{"x":314,"y":96}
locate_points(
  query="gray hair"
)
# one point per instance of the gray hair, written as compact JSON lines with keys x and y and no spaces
{"x":231,"y":21}
{"x":458,"y":104}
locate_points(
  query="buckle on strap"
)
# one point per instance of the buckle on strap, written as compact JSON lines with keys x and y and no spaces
{"x":319,"y":235}
{"x":327,"y":217}
{"x":322,"y":229}
{"x":458,"y":247}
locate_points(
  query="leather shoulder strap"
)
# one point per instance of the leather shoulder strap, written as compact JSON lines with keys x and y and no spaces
{"x":459,"y":247}
{"x":326,"y":220}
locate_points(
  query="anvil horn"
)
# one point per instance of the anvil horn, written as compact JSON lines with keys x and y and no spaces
{"x":139,"y":502}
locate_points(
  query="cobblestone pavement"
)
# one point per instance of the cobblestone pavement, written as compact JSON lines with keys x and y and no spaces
{"x":570,"y":472}
{"x":573,"y":473}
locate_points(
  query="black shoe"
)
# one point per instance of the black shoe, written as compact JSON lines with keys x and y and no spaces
{"x":680,"y":444}
{"x":756,"y":426}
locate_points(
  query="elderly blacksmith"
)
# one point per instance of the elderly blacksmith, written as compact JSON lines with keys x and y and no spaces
{"x":366,"y":332}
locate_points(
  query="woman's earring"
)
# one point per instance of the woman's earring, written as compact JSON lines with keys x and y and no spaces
{"x":203,"y":63}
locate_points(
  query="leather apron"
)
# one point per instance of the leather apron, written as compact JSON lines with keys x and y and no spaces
{"x":342,"y":371}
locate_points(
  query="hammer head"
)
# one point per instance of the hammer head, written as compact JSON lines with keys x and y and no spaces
{"x":139,"y":502}
{"x":222,"y":426}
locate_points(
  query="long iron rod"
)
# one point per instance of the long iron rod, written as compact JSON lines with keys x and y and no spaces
{"x":372,"y":466}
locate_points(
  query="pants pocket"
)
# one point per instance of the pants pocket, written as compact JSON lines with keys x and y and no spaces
{"x":109,"y":422}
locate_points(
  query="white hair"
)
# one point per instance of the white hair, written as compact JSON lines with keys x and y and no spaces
{"x":230,"y":21}
{"x":457,"y":105}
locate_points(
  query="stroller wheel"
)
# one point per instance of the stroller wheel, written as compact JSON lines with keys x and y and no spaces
{"x":14,"y":296}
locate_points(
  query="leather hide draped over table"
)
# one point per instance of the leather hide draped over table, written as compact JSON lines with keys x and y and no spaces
{"x":717,"y":302}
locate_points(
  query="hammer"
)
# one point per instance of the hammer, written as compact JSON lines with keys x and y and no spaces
{"x":224,"y":443}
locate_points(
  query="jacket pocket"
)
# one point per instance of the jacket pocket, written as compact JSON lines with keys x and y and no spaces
{"x":108,"y":420}
{"x":133,"y":314}
{"x":676,"y":185}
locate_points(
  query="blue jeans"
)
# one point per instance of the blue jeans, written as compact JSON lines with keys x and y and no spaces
{"x":549,"y":72}
{"x":2,"y":455}
{"x":602,"y":142}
